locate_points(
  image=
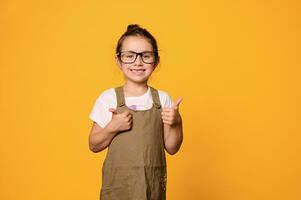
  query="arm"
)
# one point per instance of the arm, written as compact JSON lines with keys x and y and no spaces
{"x":173,"y":137}
{"x":100,"y":138}
{"x":173,"y":128}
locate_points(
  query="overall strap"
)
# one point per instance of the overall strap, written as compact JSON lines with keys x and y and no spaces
{"x":155,"y":96}
{"x":120,"y":96}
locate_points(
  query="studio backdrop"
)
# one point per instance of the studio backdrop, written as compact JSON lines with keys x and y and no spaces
{"x":235,"y":63}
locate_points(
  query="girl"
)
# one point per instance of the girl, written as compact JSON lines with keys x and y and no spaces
{"x":136,"y":122}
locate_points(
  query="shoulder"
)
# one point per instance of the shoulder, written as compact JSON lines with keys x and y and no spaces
{"x":100,"y":113}
{"x":163,"y":94}
{"x":106,"y":95}
{"x":107,"y":98}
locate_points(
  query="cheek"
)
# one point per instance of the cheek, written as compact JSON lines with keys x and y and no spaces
{"x":150,"y":68}
{"x":125,"y":67}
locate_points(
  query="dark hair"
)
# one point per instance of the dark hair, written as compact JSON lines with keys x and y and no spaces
{"x":136,"y":30}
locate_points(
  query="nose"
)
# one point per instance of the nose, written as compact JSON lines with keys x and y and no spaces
{"x":138,"y":60}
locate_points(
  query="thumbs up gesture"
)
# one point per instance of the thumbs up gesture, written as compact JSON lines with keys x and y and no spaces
{"x":120,"y":122}
{"x":171,"y":116}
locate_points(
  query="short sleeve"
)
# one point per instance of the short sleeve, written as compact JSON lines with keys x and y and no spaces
{"x":165,"y":99}
{"x":100,"y":112}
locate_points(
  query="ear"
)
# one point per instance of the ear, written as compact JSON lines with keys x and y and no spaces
{"x":157,"y":62}
{"x":117,"y":61}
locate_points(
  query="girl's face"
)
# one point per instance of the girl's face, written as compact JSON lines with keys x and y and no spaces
{"x":138,"y":71}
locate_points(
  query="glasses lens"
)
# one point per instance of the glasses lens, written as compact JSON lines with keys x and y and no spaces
{"x":148,"y":57}
{"x":128,"y":57}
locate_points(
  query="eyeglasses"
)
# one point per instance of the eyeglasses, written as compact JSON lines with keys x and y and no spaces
{"x":129,"y":57}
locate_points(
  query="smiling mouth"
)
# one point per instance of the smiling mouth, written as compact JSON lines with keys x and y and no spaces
{"x":137,"y":70}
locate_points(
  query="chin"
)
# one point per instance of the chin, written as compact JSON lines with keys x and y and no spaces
{"x":138,"y":80}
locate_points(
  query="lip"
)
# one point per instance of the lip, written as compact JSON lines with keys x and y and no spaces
{"x":142,"y":70}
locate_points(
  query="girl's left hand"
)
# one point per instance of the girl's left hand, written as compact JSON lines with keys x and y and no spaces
{"x":171,"y":116}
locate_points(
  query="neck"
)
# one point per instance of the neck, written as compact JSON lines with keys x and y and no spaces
{"x":134,"y":89}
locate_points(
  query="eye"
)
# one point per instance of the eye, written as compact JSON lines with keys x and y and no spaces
{"x":147,"y":55}
{"x":129,"y":56}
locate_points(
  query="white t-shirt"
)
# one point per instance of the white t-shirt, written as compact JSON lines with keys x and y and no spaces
{"x":107,"y":99}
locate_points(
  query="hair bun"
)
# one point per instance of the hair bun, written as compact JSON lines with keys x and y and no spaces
{"x":132,"y":27}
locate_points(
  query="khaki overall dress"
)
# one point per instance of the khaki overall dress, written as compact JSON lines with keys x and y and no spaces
{"x":135,"y":164}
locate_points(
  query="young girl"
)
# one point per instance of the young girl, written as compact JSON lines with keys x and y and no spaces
{"x":136,"y":122}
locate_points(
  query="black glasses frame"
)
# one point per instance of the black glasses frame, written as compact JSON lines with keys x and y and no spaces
{"x":138,"y":54}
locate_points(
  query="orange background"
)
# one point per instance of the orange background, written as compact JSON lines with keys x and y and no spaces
{"x":235,"y":63}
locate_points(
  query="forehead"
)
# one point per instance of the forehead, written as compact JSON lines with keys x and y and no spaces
{"x":136,"y":43}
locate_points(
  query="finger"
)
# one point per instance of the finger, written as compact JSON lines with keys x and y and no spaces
{"x":164,"y":113}
{"x":113,"y":111}
{"x":126,"y":113}
{"x":128,"y":118}
{"x":167,"y":109}
{"x":177,"y":103}
{"x":167,"y":122}
{"x":169,"y":113}
{"x":167,"y":118}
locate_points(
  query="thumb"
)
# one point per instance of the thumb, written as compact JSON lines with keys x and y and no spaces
{"x":177,"y":103}
{"x":113,"y":111}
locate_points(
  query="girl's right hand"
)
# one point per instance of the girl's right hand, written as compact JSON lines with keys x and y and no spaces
{"x":120,"y":122}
